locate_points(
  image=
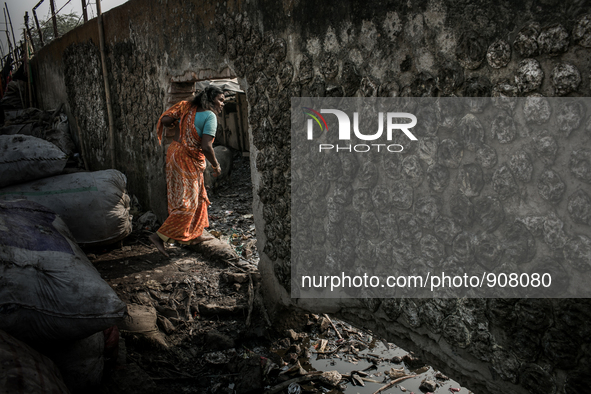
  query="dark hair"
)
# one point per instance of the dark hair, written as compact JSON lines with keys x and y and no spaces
{"x":204,"y":99}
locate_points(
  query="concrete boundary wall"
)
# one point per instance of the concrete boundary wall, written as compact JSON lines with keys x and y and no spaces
{"x":284,"y":49}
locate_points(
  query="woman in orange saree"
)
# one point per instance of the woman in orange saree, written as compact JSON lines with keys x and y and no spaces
{"x":185,"y":163}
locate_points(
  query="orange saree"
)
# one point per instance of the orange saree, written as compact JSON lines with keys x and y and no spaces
{"x":185,"y":163}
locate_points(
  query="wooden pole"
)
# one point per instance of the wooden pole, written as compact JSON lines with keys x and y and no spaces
{"x":84,"y":13}
{"x":53,"y":19}
{"x":106,"y":80}
{"x":10,"y":50}
{"x":27,"y":31}
{"x":37,"y":22}
{"x":10,"y":21}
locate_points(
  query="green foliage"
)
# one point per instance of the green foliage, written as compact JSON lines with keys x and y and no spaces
{"x":65,"y":23}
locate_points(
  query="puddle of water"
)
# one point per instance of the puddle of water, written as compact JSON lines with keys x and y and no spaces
{"x":344,"y":366}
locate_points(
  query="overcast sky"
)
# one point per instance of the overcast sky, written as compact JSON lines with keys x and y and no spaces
{"x":17,"y":9}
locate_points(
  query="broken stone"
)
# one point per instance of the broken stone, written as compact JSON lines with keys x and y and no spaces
{"x":553,"y":40}
{"x":428,"y":149}
{"x":381,"y":198}
{"x":506,"y":365}
{"x":566,"y":78}
{"x":286,"y":74}
{"x":446,"y":229}
{"x":350,"y":79}
{"x":331,"y":378}
{"x":582,"y":31}
{"x":471,"y":132}
{"x":411,"y":168}
{"x":423,"y":85}
{"x":411,"y":232}
{"x":488,"y":251}
{"x":293,"y":336}
{"x":534,"y":224}
{"x":489,"y":212}
{"x":402,"y":195}
{"x":432,"y":316}
{"x":412,"y":361}
{"x":526,"y":42}
{"x":477,"y":91}
{"x":438,"y":177}
{"x":306,"y":70}
{"x":391,"y":165}
{"x":554,"y":235}
{"x":427,"y":209}
{"x":504,"y":183}
{"x":519,"y":244}
{"x":389,"y":89}
{"x":450,"y":153}
{"x":370,"y":225}
{"x":428,"y":385}
{"x":428,"y":127}
{"x":577,"y":252}
{"x":570,"y":116}
{"x":361,"y":201}
{"x":432,"y":250}
{"x":503,"y":127}
{"x":545,"y":148}
{"x":580,"y":165}
{"x":471,"y":50}
{"x":470,"y":179}
{"x":462,"y":209}
{"x":463,"y":247}
{"x":368,"y":87}
{"x":550,"y":186}
{"x":579,"y":207}
{"x":498,"y":54}
{"x":367,"y":175}
{"x":486,"y":156}
{"x":350,"y":165}
{"x":402,"y":254}
{"x":529,"y":75}
{"x":455,"y":331}
{"x":504,"y":96}
{"x":521,"y":166}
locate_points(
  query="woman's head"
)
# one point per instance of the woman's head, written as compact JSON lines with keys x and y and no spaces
{"x":211,"y":98}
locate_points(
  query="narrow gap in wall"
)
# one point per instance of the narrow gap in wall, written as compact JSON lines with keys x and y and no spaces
{"x":230,"y":213}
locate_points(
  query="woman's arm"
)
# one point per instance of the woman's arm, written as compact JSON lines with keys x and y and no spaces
{"x":168,"y":121}
{"x":207,"y":148}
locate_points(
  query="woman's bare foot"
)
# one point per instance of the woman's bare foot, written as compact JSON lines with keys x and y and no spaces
{"x":201,"y":238}
{"x":157,"y":241}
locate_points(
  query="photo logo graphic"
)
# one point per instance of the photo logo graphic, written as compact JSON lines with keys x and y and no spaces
{"x":345,"y":128}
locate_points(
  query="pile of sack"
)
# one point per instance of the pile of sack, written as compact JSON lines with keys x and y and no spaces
{"x":58,"y":316}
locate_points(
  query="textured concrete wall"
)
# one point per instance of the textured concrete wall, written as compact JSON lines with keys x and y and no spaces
{"x":281,"y":49}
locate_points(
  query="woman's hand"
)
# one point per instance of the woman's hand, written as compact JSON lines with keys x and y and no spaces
{"x":216,"y":171}
{"x":168,"y":122}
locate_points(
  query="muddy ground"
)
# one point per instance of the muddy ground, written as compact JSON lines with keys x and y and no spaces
{"x":198,"y":323}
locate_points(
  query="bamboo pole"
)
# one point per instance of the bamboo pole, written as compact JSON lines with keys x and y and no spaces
{"x":27,"y":31}
{"x":37,"y":22}
{"x":84,"y":13}
{"x":56,"y":34}
{"x":106,"y":80}
{"x":10,"y":21}
{"x":10,"y":50}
